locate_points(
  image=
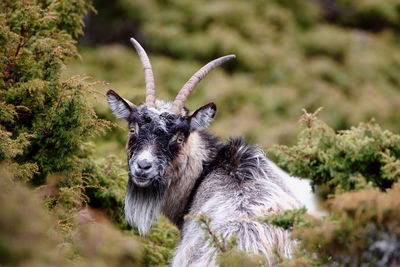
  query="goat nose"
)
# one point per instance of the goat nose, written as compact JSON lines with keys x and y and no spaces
{"x":144,"y":164}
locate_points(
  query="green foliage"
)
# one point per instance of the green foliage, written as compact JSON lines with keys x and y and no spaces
{"x":159,"y":244}
{"x":369,"y":14}
{"x":46,"y":124}
{"x":100,"y":185}
{"x":30,"y":235}
{"x":44,"y":121}
{"x":227,"y":254}
{"x":362,"y":226}
{"x":290,"y":55}
{"x":361,"y":157}
{"x":23,"y":241}
{"x":236,"y":258}
{"x":69,"y":15}
{"x":286,"y":219}
{"x":107,"y":178}
{"x":217,"y":240}
{"x":100,"y":244}
{"x":362,"y":229}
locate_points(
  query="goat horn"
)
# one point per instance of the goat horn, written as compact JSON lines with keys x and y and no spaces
{"x":189,"y":86}
{"x":148,"y":74}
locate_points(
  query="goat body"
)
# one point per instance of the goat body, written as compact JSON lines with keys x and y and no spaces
{"x":233,"y":188}
{"x":232,"y":183}
{"x":178,"y":169}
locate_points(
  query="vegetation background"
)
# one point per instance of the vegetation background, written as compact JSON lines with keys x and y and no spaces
{"x":63,"y":171}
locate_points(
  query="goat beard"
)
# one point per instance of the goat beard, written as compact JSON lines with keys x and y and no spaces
{"x":143,"y":204}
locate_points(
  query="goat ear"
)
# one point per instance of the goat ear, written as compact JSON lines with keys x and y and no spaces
{"x":120,"y":107}
{"x":202,"y":117}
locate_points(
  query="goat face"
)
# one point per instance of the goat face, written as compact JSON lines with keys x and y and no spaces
{"x":156,"y":136}
{"x":159,"y":130}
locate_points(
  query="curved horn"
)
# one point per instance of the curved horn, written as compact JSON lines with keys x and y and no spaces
{"x":148,"y":74}
{"x":189,"y":86}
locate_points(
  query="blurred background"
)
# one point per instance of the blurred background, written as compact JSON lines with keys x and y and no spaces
{"x":62,"y":163}
{"x":342,"y":55}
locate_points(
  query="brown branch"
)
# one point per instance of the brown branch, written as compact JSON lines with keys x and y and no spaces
{"x":21,"y":41}
{"x":205,"y":225}
{"x":10,"y":64}
{"x":214,"y":237}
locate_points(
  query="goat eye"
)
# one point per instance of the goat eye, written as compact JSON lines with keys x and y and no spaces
{"x":133,"y":129}
{"x":180,"y":139}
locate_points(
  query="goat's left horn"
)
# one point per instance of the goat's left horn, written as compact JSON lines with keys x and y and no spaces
{"x":148,"y":74}
{"x":189,"y":86}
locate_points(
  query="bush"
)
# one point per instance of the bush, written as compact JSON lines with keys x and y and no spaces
{"x":339,"y":54}
{"x":46,"y":125}
{"x":290,"y":56}
{"x":45,"y":122}
{"x":30,"y":235}
{"x":362,"y":157}
{"x":362,"y":227}
{"x":362,"y":230}
{"x":372,"y":15}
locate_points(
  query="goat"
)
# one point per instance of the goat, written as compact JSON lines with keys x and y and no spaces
{"x":177,"y":168}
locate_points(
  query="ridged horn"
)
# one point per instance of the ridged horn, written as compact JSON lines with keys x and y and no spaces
{"x":189,"y":86}
{"x":148,"y":74}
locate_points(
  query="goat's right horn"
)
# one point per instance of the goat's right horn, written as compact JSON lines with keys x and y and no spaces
{"x":189,"y":86}
{"x":148,"y":74}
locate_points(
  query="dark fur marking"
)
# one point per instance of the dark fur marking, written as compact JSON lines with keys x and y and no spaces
{"x":236,"y":159}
